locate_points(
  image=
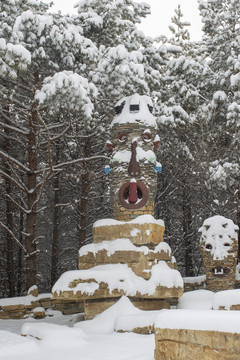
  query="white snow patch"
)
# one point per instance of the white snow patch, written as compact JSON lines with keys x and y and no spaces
{"x":142,"y":219}
{"x":217,"y":234}
{"x":205,"y":320}
{"x":198,"y":299}
{"x":120,"y":277}
{"x":122,"y":245}
{"x":141,"y":116}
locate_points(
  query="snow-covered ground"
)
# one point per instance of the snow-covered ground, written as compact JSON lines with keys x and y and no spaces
{"x":64,"y":337}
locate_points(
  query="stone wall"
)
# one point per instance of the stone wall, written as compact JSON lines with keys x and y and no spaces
{"x":26,"y":308}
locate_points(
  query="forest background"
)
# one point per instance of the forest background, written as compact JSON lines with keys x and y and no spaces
{"x":60,"y":77}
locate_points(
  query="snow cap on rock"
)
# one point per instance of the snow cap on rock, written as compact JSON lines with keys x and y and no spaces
{"x":218,"y":234}
{"x":134,"y":109}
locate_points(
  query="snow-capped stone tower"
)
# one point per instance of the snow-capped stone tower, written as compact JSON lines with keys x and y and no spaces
{"x":219,"y":247}
{"x":133,"y":165}
{"x":128,"y":255}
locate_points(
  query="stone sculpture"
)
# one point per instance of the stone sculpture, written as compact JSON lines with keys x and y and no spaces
{"x":219,"y":246}
{"x":128,"y":255}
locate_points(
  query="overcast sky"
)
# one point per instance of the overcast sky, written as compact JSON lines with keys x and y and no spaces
{"x":157,"y":23}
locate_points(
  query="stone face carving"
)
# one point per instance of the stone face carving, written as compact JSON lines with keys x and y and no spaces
{"x":219,"y":245}
{"x":133,"y":165}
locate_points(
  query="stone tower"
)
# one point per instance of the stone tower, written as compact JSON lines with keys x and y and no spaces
{"x":128,"y":255}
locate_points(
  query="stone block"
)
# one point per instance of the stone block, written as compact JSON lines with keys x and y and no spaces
{"x":13,"y":307}
{"x":149,"y":234}
{"x":179,"y":344}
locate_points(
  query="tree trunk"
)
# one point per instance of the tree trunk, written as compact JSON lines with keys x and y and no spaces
{"x":32,"y":197}
{"x":187,"y":222}
{"x":56,"y":215}
{"x":9,"y":219}
{"x":84,"y":196}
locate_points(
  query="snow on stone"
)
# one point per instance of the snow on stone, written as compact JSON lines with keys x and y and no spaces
{"x":52,"y":334}
{"x":106,"y":321}
{"x":121,"y":245}
{"x":23,"y":300}
{"x":120,"y":277}
{"x":218,"y":232}
{"x":226,"y":298}
{"x":141,"y":116}
{"x":194,"y":279}
{"x":125,"y":155}
{"x":142,"y":219}
{"x":13,"y":344}
{"x":197,"y":299}
{"x":206,"y":320}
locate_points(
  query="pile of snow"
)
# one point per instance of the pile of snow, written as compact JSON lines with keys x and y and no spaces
{"x":122,"y":245}
{"x":205,"y":320}
{"x":226,"y":298}
{"x":139,"y":114}
{"x":119,"y":277}
{"x":217,"y":234}
{"x":206,"y":299}
{"x":194,"y":279}
{"x":198,"y":299}
{"x":140,"y":220}
{"x":106,"y":321}
{"x":23,"y":300}
{"x":52,"y":333}
{"x":13,"y":343}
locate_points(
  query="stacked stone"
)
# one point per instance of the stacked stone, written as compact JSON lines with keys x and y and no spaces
{"x":130,"y":246}
{"x":21,"y":307}
{"x":219,"y":247}
{"x":120,"y":175}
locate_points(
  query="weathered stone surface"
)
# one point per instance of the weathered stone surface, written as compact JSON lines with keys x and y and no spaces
{"x":139,"y":262}
{"x":149,"y":234}
{"x":179,"y":344}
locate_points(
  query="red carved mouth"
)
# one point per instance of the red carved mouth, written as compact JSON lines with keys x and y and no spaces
{"x":133,"y":194}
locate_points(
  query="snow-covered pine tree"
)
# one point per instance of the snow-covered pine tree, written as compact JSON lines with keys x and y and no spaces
{"x":34,"y":45}
{"x":221,"y":37}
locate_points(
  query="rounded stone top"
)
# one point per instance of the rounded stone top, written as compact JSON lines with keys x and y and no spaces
{"x":135,"y":109}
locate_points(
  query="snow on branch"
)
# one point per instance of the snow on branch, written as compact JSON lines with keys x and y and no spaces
{"x":70,"y":91}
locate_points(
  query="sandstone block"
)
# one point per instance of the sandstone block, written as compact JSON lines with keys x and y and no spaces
{"x":179,"y":344}
{"x":149,"y":234}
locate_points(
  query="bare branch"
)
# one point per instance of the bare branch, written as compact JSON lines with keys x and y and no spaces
{"x":12,"y":180}
{"x":14,"y":237}
{"x":59,"y":167}
{"x":19,"y":206}
{"x":14,"y":128}
{"x":16,"y":162}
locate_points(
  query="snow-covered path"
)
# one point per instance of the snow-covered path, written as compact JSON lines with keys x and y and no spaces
{"x":117,"y":346}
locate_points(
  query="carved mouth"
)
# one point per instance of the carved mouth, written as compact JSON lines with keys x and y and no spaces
{"x":133,"y":194}
{"x":220,"y":271}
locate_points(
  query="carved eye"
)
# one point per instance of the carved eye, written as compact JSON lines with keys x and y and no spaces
{"x":226,"y":244}
{"x":208,"y":247}
{"x":122,"y":137}
{"x":147,"y":136}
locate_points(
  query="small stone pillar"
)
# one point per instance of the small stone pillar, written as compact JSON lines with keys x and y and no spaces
{"x":219,"y":247}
